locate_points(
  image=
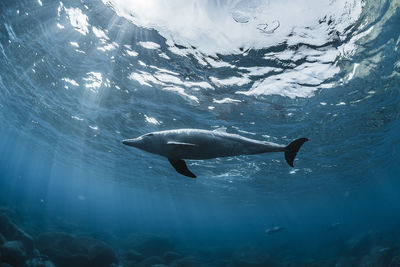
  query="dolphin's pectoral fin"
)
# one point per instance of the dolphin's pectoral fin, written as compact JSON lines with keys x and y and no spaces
{"x":180,"y":144}
{"x":180,"y":166}
{"x":220,"y":129}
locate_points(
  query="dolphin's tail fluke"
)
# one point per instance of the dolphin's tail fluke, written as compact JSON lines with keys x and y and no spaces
{"x":292,"y":149}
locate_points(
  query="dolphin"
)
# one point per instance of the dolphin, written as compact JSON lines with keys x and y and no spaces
{"x":197,"y":144}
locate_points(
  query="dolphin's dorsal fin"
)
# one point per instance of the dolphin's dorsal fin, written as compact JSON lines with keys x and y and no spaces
{"x":220,"y":129}
{"x":179,"y":143}
{"x":180,"y":166}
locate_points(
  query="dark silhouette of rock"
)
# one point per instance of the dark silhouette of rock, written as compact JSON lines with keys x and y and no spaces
{"x":346,"y":261}
{"x":151,"y":261}
{"x":186,"y":262}
{"x":12,"y":232}
{"x":251,"y":255}
{"x":40,"y":262}
{"x":103,"y":236}
{"x":69,"y":250}
{"x":395,"y":262}
{"x":171,"y":256}
{"x":377,"y":256}
{"x":13,"y":252}
{"x":150,"y":245}
{"x":133,"y":256}
{"x":2,"y":239}
{"x":101,"y":254}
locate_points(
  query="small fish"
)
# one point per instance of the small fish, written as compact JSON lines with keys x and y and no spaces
{"x":274,"y":230}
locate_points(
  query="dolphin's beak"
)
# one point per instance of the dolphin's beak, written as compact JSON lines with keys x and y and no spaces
{"x":128,"y":142}
{"x":135,"y":142}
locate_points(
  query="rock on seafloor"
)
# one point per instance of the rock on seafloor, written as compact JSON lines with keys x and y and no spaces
{"x":2,"y":239}
{"x":132,"y":257}
{"x":18,"y":248}
{"x":171,"y":256}
{"x":39,"y":262}
{"x":13,"y":252}
{"x":149,"y":245}
{"x":151,"y":261}
{"x":49,"y":249}
{"x":186,"y":261}
{"x":12,"y":232}
{"x":70,"y":250}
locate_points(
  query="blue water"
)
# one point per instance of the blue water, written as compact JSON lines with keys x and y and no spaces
{"x":77,"y":77}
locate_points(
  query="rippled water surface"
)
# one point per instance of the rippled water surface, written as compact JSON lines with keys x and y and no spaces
{"x":77,"y":77}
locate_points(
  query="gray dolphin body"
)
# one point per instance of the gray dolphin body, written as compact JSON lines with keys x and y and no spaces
{"x":196,"y":144}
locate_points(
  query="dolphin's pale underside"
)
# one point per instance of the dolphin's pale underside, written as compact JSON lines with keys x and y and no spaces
{"x":196,"y":144}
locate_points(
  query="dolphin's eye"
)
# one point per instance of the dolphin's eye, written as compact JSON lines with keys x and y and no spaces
{"x":150,"y":134}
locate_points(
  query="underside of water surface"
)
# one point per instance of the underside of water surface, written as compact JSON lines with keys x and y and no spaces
{"x":79,"y":76}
